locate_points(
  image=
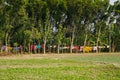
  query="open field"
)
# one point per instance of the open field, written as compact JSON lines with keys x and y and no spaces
{"x":101,"y":66}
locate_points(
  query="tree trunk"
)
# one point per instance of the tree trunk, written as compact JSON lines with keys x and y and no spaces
{"x":72,"y":38}
{"x":0,"y":46}
{"x":6,"y":42}
{"x":58,"y":49}
{"x":86,"y":36}
{"x":71,"y":47}
{"x":44,"y":49}
{"x":97,"y":43}
{"x":29,"y":48}
{"x":62,"y":49}
{"x":113,"y":46}
{"x":109,"y":38}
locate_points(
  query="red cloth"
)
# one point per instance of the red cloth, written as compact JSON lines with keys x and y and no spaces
{"x":42,"y":46}
{"x":32,"y":47}
{"x":75,"y":48}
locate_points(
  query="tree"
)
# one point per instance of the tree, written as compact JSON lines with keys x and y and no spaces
{"x":60,"y":36}
{"x":35,"y":11}
{"x":74,"y":11}
{"x":114,"y":27}
{"x":46,"y":28}
{"x":86,"y":23}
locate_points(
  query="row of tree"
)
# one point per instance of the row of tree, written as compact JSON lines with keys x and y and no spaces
{"x":60,"y":22}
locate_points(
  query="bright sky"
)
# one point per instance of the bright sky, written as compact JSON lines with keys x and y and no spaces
{"x":112,"y":1}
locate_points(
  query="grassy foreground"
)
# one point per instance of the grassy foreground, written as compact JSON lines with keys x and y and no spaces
{"x":61,"y":67}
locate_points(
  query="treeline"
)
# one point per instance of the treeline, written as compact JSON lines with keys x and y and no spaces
{"x":60,"y":23}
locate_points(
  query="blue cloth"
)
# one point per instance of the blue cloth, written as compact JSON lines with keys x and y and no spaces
{"x":38,"y":46}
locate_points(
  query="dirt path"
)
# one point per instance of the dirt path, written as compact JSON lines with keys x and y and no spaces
{"x":38,"y":56}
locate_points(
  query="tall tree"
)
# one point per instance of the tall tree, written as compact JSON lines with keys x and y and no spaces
{"x":74,"y":11}
{"x":60,"y":36}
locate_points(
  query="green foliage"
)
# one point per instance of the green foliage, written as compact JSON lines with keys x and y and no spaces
{"x":15,"y":44}
{"x":60,"y":34}
{"x":30,"y":21}
{"x":27,"y":34}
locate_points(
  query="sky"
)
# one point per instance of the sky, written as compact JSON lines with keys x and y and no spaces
{"x":112,"y":1}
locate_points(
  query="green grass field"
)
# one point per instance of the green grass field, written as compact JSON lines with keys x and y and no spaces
{"x":60,"y":67}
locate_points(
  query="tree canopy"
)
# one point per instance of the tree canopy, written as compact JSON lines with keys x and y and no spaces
{"x":60,"y":23}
